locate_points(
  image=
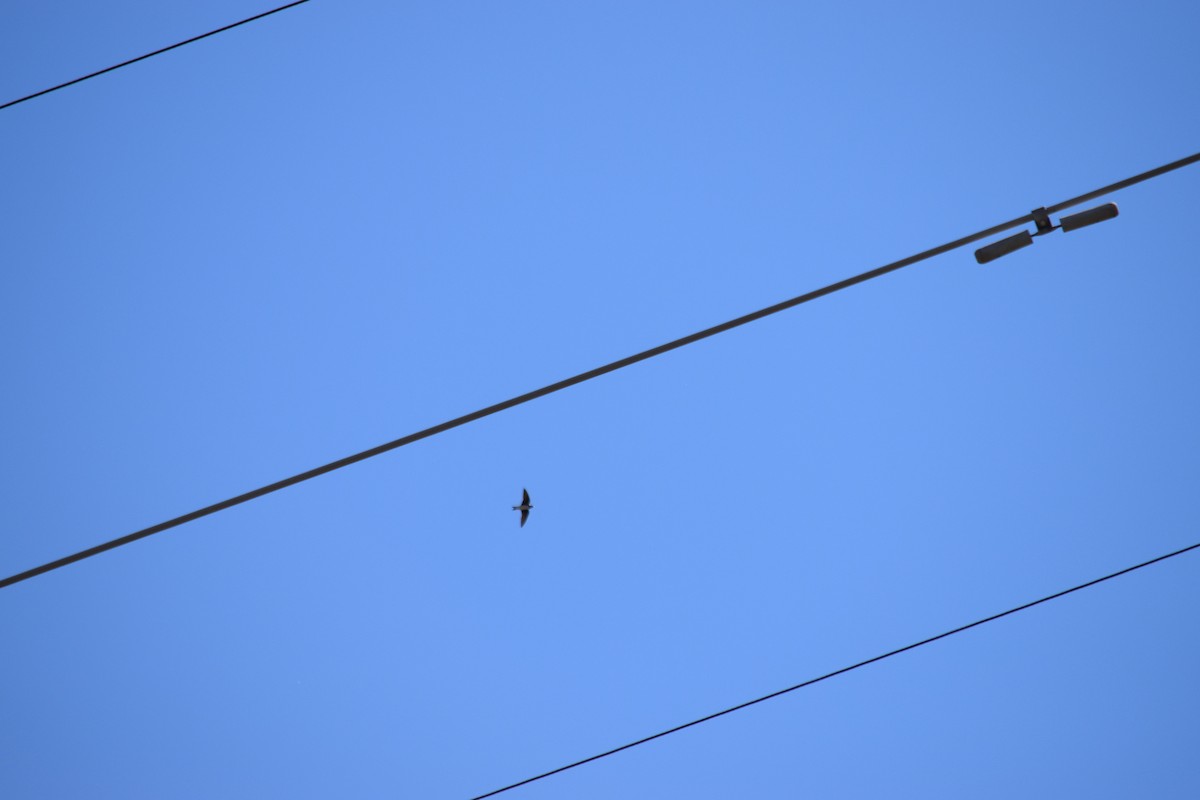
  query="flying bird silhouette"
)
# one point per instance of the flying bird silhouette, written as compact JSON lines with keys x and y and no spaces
{"x":524,"y":507}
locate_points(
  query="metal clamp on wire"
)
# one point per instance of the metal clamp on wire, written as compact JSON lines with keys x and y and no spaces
{"x":1042,"y":219}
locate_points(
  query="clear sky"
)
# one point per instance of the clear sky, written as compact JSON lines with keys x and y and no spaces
{"x":353,"y":220}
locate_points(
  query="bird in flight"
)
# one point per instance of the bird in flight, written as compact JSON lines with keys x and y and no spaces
{"x":524,"y":507}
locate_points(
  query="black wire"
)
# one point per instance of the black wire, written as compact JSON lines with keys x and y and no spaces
{"x":149,"y":55}
{"x":1116,"y":187}
{"x":835,"y":673}
{"x":554,"y":387}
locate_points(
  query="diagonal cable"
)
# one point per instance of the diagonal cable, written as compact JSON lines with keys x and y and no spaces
{"x":835,"y":673}
{"x":580,"y":378}
{"x":150,"y":55}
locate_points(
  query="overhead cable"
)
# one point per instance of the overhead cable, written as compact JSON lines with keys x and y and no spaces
{"x":580,"y":378}
{"x":835,"y":673}
{"x":149,"y":55}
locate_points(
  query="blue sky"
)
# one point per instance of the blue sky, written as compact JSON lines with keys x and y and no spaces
{"x":353,"y":220}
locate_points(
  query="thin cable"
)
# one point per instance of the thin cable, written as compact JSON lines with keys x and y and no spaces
{"x":841,"y":671}
{"x":555,"y":387}
{"x":155,"y":53}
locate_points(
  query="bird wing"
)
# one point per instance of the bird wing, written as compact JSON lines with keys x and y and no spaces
{"x":524,"y":516}
{"x":524,"y":497}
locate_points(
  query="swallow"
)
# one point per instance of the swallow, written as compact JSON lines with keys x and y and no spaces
{"x":524,"y":507}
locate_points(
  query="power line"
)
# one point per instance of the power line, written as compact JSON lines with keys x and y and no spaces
{"x":580,"y":378}
{"x":835,"y":673}
{"x":149,"y":55}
